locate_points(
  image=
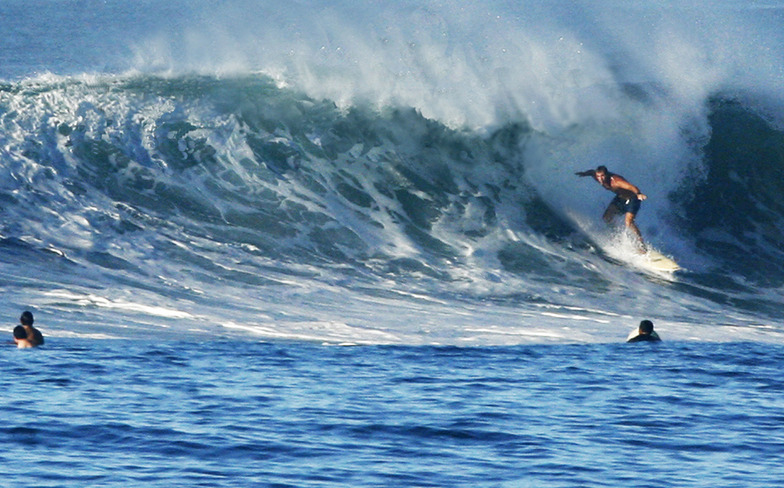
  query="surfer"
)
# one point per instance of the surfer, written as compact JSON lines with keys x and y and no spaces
{"x":20,"y":338}
{"x":33,"y":335}
{"x":627,"y":198}
{"x":644,"y":333}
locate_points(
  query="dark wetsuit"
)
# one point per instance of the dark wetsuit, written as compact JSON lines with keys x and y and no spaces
{"x":652,"y":337}
{"x":38,"y":337}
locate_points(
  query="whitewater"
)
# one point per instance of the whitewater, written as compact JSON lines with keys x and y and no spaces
{"x":389,"y":173}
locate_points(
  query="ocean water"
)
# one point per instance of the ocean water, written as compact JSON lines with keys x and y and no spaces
{"x":144,"y":413}
{"x":200,"y":200}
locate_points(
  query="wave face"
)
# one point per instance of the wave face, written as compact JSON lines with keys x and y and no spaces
{"x":400,"y":174}
{"x":733,"y":207}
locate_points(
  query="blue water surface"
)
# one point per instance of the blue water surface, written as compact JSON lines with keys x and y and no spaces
{"x":132,"y":413}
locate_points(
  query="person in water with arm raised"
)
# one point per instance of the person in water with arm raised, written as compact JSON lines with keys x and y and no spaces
{"x":627,"y":198}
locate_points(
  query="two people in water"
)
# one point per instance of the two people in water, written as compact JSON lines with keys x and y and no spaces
{"x":25,"y":335}
{"x":627,"y":198}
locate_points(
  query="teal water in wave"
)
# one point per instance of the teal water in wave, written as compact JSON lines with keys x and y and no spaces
{"x":198,"y":204}
{"x":120,"y":413}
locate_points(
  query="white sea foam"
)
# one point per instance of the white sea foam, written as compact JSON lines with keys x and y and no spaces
{"x":558,"y":63}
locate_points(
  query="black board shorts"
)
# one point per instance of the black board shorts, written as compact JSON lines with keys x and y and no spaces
{"x":631,"y":206}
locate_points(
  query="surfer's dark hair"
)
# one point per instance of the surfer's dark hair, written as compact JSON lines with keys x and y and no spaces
{"x":602,"y":169}
{"x":646,"y":327}
{"x":20,"y":332}
{"x":27,"y":318}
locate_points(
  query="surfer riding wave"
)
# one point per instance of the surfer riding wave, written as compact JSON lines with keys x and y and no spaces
{"x":627,"y":198}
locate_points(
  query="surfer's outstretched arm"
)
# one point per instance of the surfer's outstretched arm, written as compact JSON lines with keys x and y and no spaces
{"x":590,"y":172}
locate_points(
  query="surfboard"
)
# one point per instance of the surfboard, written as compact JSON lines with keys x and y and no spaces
{"x":651,"y":261}
{"x":622,"y":248}
{"x":659,"y":262}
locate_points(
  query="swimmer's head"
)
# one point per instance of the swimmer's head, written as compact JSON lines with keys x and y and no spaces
{"x":26,"y":318}
{"x":20,"y":332}
{"x":646,"y":327}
